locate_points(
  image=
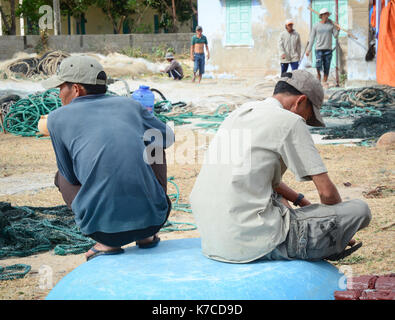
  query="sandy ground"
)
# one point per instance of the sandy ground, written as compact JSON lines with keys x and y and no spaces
{"x":27,"y":167}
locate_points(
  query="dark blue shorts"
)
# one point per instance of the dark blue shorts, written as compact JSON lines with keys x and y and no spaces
{"x":284,"y":66}
{"x":199,"y":60}
{"x":323,"y":60}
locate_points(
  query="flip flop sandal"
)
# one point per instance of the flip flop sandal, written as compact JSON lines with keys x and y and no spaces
{"x":103,"y":253}
{"x":150,"y":244}
{"x":344,"y":253}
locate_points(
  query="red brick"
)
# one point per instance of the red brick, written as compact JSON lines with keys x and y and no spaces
{"x":378,"y":295}
{"x":361,"y":282}
{"x":348,"y":295}
{"x":385,"y":283}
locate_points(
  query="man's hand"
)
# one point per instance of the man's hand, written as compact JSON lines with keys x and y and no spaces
{"x":307,"y":53}
{"x":283,"y":56}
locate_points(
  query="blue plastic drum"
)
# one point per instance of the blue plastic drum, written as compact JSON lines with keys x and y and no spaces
{"x":177,"y":270}
{"x":145,"y":97}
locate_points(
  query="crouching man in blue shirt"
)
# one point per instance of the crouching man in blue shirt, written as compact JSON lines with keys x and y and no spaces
{"x":114,"y":185}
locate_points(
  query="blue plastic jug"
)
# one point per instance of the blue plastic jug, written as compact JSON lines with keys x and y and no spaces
{"x":145,"y":97}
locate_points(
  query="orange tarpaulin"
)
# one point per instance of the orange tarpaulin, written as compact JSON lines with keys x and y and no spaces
{"x":385,"y":69}
{"x":373,"y":18}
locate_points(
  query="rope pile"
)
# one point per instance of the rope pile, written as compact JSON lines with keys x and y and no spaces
{"x":16,"y":271}
{"x":371,"y":107}
{"x":23,"y":116}
{"x":6,"y":102}
{"x":46,"y":65}
{"x":180,"y":113}
{"x":358,"y":102}
{"x":25,"y":231}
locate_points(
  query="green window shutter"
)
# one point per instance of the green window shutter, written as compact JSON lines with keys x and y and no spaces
{"x":343,"y":21}
{"x":238,"y":22}
{"x":156,"y":23}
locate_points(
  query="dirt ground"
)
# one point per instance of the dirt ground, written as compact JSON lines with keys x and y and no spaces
{"x":27,"y":167}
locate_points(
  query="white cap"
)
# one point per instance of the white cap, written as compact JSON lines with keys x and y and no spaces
{"x":324,"y":10}
{"x":76,"y":69}
{"x":289,"y":21}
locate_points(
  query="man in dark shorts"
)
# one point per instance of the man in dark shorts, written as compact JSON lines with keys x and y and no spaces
{"x":322,"y":34}
{"x":198,"y":43}
{"x":106,"y":174}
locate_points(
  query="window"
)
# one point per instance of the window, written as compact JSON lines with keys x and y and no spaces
{"x":238,"y":23}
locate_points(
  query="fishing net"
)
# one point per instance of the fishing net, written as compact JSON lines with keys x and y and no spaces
{"x":372,"y":108}
{"x":28,"y":230}
{"x":43,"y":66}
{"x":22,"y":117}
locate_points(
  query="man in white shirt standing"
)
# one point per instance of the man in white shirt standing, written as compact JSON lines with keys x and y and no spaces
{"x":242,"y":208}
{"x":289,"y":47}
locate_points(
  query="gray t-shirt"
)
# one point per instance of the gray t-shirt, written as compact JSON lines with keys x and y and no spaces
{"x":322,"y":34}
{"x":176,"y":66}
{"x":99,"y":143}
{"x":231,"y":200}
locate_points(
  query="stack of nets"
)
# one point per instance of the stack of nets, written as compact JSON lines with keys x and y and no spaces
{"x":27,"y":230}
{"x":372,"y":108}
{"x":43,"y":66}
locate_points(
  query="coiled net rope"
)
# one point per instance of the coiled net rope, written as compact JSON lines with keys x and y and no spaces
{"x":25,"y":231}
{"x":372,"y":108}
{"x":36,"y":67}
{"x":23,"y":116}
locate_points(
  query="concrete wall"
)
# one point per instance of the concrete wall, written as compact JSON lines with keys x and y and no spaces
{"x":9,"y":45}
{"x":268,"y":19}
{"x":359,"y":72}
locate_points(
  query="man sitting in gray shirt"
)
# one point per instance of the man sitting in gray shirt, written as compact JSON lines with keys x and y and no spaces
{"x":322,"y":33}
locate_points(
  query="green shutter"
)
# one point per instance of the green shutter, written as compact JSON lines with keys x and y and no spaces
{"x":238,"y":22}
{"x":343,"y":21}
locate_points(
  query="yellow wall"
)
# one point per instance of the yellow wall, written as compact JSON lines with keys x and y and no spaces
{"x":97,"y":22}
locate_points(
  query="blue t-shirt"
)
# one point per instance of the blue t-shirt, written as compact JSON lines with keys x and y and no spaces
{"x":99,"y":143}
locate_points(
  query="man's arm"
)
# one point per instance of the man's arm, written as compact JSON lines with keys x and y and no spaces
{"x":335,"y":31}
{"x":192,"y":49}
{"x":311,"y":42}
{"x":290,"y":194}
{"x":208,"y":52}
{"x":299,"y":47}
{"x":326,"y":189}
{"x":281,"y":47}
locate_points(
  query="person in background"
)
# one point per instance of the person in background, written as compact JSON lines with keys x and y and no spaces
{"x":198,"y":43}
{"x":289,"y":47}
{"x":174,"y":69}
{"x":322,"y":33}
{"x":105,"y":174}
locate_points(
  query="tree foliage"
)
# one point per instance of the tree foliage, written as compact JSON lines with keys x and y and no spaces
{"x":117,"y":11}
{"x":30,"y":10}
{"x":174,"y":12}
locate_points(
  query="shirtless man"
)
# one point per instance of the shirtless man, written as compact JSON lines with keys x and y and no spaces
{"x":198,"y":42}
